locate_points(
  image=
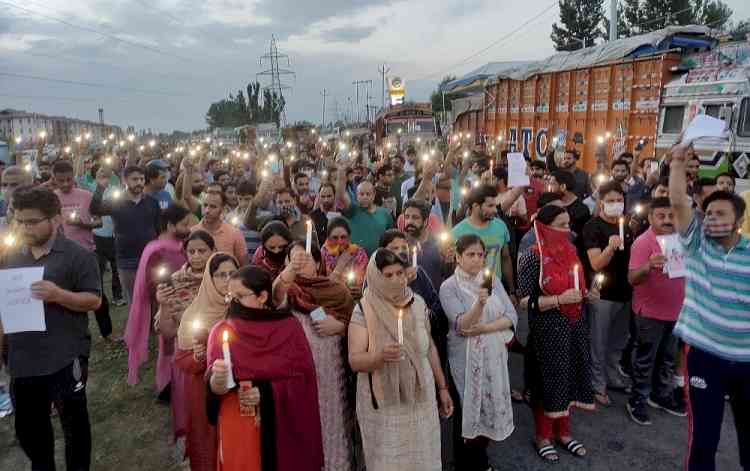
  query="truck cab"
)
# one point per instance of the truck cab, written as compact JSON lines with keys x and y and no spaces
{"x":718,"y":87}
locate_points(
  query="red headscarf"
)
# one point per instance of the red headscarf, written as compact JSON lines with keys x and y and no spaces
{"x":557,"y":259}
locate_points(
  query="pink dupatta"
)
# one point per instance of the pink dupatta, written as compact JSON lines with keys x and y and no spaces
{"x":168,"y":252}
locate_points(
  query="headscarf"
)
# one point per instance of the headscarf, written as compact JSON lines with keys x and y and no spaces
{"x":397,"y":382}
{"x":208,"y":307}
{"x":306,"y":294}
{"x":557,"y":259}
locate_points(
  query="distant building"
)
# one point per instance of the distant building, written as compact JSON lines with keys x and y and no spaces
{"x":60,"y":129}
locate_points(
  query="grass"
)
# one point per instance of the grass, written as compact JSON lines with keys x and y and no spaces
{"x":129,"y":429}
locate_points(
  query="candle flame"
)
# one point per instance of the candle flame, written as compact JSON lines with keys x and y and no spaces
{"x":10,"y":240}
{"x":225,"y":336}
{"x":599,"y":279}
{"x":350,"y":276}
{"x":196,"y":324}
{"x":444,"y":237}
{"x":400,"y":314}
{"x":162,"y":271}
{"x":235,"y":220}
{"x":116,"y":194}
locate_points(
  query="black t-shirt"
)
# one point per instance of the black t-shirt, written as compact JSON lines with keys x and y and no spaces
{"x":71,"y":267}
{"x":579,"y":215}
{"x":596,"y":234}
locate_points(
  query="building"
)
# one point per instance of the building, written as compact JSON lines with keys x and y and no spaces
{"x":59,"y":129}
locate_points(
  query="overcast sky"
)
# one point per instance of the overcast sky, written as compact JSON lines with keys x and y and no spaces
{"x":162,"y":62}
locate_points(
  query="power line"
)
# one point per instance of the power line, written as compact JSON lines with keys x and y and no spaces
{"x":494,"y":43}
{"x":54,"y":98}
{"x":92,"y":84}
{"x":96,"y":31}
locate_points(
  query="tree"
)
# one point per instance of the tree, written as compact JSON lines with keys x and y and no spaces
{"x":580,"y":21}
{"x":238,"y":111}
{"x":740,"y":31}
{"x":436,"y":98}
{"x":714,"y":14}
{"x":644,"y":16}
{"x":623,"y":28}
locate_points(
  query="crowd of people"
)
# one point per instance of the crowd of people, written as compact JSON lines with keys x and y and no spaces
{"x":328,"y":306}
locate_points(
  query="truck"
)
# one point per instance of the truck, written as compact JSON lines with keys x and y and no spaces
{"x":637,"y":92}
{"x":399,"y":126}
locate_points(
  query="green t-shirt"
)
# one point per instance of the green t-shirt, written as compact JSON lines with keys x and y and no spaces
{"x":495,"y":236}
{"x":367,"y":227}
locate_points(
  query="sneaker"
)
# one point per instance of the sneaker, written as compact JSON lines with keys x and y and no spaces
{"x":637,"y":411}
{"x":6,"y":406}
{"x":119,"y":302}
{"x":668,"y":405}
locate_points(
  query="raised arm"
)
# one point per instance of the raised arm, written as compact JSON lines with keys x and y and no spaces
{"x":342,"y":196}
{"x":681,"y":205}
{"x":99,"y":206}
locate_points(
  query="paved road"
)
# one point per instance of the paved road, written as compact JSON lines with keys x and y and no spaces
{"x":614,"y":442}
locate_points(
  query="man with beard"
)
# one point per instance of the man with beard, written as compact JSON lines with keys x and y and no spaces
{"x":367,"y":220}
{"x":52,"y":366}
{"x":715,"y":317}
{"x":325,"y":210}
{"x":632,"y":186}
{"x":657,"y":299}
{"x":562,"y":183}
{"x":45,"y":172}
{"x":399,"y":177}
{"x":227,"y":238}
{"x":191,"y":187}
{"x":305,"y":198}
{"x":429,"y":258}
{"x":136,"y":222}
{"x":567,"y":163}
{"x":13,"y":177}
{"x":482,"y":221}
{"x":383,"y":185}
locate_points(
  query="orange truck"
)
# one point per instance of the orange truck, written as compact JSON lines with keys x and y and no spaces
{"x":636,"y":92}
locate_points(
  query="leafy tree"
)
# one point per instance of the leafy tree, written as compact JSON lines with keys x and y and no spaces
{"x":580,"y":20}
{"x":259,"y":106}
{"x":715,"y":14}
{"x":623,"y":28}
{"x":740,"y":30}
{"x":436,"y":98}
{"x":643,"y":16}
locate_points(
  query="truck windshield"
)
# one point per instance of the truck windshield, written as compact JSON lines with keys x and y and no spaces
{"x":743,"y":127}
{"x":424,"y":125}
{"x":673,"y":119}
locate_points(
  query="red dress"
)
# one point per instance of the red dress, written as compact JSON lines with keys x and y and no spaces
{"x":238,"y":437}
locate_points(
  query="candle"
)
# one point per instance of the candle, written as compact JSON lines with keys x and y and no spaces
{"x":73,"y":216}
{"x":400,"y":327}
{"x":308,"y":239}
{"x":638,"y":209}
{"x":622,"y":233}
{"x":663,"y":245}
{"x":235,"y":220}
{"x":10,"y":240}
{"x":116,"y":194}
{"x":350,"y":277}
{"x":162,"y":272}
{"x":492,"y":167}
{"x":598,"y":281}
{"x":576,"y":279}
{"x":444,"y":236}
{"x":196,"y":325}
{"x":414,"y":257}
{"x":228,"y":360}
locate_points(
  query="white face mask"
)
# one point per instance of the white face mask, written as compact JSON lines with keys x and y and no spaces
{"x":614,"y":210}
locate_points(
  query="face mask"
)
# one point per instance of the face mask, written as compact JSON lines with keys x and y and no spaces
{"x":713,"y":229}
{"x":276,"y":257}
{"x":613,"y":210}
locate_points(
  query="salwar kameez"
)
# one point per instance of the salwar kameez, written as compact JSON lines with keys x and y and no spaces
{"x":239,"y":443}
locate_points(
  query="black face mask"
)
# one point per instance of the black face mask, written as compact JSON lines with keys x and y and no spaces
{"x":276,"y":257}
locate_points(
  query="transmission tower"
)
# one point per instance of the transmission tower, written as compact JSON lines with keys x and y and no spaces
{"x":274,"y":73}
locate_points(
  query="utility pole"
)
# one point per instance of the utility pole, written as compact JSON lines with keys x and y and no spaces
{"x":275,"y":74}
{"x":612,"y":20}
{"x":383,"y":70}
{"x":369,"y":96}
{"x":323,"y":122}
{"x":357,"y":83}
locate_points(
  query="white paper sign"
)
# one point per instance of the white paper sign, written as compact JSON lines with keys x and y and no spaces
{"x":704,"y":126}
{"x":318,"y":314}
{"x":675,"y":266}
{"x":20,"y":312}
{"x":517,"y":170}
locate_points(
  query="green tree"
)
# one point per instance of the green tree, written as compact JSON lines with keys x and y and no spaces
{"x":643,"y":16}
{"x":740,"y":30}
{"x":238,"y":111}
{"x":436,"y":98}
{"x":580,"y":21}
{"x":715,"y":14}
{"x":623,"y":28}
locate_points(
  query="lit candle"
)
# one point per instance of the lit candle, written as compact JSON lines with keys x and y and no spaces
{"x":228,"y":360}
{"x":622,"y":233}
{"x":108,"y":160}
{"x":162,"y":272}
{"x":73,"y":216}
{"x":414,"y":257}
{"x":10,"y":240}
{"x":576,"y":279}
{"x":638,"y":209}
{"x":663,"y":245}
{"x":308,"y":240}
{"x":350,"y":277}
{"x":444,"y":237}
{"x":116,"y":194}
{"x":598,"y":281}
{"x":235,"y":221}
{"x":400,"y":327}
{"x":492,"y":167}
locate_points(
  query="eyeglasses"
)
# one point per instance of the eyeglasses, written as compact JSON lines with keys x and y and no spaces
{"x":225,"y":275}
{"x":30,"y":222}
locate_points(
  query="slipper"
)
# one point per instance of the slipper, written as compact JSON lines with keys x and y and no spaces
{"x":516,"y":396}
{"x":547,"y":453}
{"x":603,"y":399}
{"x":574,"y":447}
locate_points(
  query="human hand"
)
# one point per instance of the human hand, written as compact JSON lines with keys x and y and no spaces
{"x":219,"y":372}
{"x":657,"y":261}
{"x":446,"y":403}
{"x":249,"y":396}
{"x":473,"y":331}
{"x":163,"y":292}
{"x":391,"y":352}
{"x":614,"y":242}
{"x":482,"y":296}
{"x":329,"y":326}
{"x":570,"y":296}
{"x":411,"y":274}
{"x":45,"y":290}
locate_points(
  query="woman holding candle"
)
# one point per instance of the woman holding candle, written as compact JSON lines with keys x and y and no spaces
{"x":481,"y":321}
{"x":270,"y":255}
{"x":208,"y":308}
{"x":557,"y":359}
{"x":173,"y":297}
{"x":341,"y":257}
{"x":324,"y":307}
{"x":270,"y":420}
{"x":396,"y":382}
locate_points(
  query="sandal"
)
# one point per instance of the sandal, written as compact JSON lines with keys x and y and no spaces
{"x":516,"y":396}
{"x":547,"y":452}
{"x":603,"y":399}
{"x":574,"y":447}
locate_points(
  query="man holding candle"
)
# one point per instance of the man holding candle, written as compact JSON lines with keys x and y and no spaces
{"x":610,"y":315}
{"x":657,"y":299}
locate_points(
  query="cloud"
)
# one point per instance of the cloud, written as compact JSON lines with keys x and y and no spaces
{"x":348,"y":35}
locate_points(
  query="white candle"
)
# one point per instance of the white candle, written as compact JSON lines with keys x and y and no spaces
{"x":492,"y":167}
{"x":576,"y":280}
{"x":622,"y":233}
{"x":350,"y":277}
{"x":400,"y":327}
{"x":414,"y":257}
{"x":308,"y":240}
{"x":73,"y":216}
{"x":228,"y":360}
{"x":663,"y":245}
{"x":598,"y":281}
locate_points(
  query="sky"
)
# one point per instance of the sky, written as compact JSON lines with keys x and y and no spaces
{"x":159,"y":64}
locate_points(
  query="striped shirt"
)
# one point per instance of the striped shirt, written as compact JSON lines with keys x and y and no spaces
{"x":715,"y":316}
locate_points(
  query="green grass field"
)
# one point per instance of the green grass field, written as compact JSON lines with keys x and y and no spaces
{"x":130,"y":430}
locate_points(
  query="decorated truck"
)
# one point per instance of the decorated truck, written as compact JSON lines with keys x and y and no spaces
{"x":400,"y":126}
{"x":637,"y":92}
